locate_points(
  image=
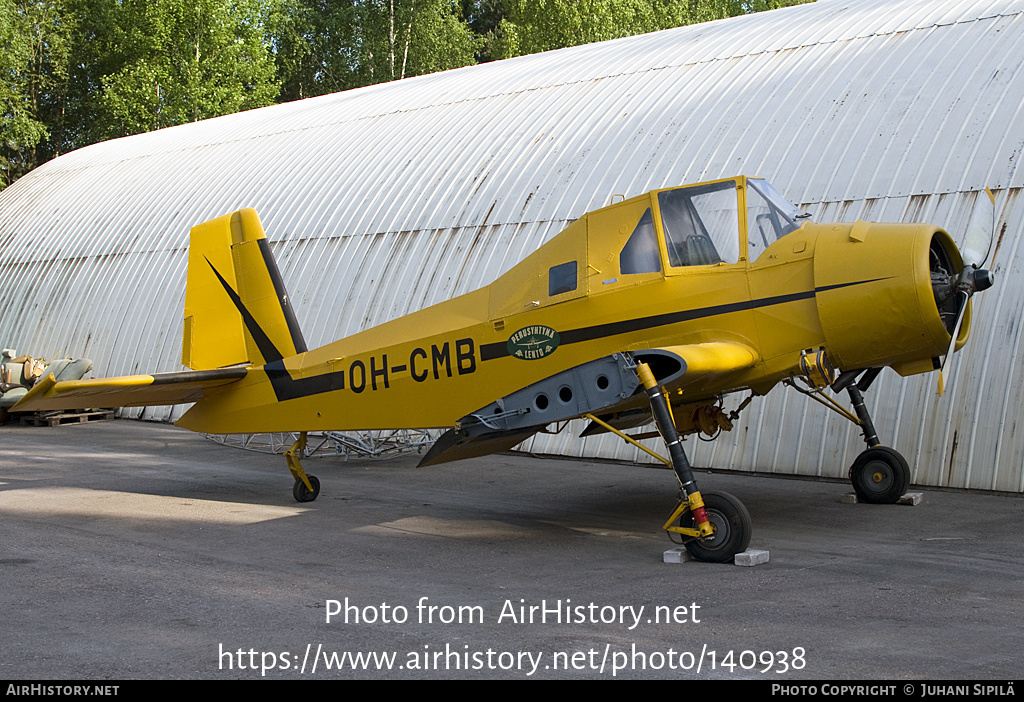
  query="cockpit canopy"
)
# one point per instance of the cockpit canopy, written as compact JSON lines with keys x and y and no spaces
{"x":667,"y":232}
{"x":701,"y":225}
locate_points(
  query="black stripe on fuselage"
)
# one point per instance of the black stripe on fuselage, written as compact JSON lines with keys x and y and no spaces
{"x":288,"y":388}
{"x":597,"y":331}
{"x":285,"y":387}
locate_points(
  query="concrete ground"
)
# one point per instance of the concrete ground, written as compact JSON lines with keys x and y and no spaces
{"x":133,"y":550}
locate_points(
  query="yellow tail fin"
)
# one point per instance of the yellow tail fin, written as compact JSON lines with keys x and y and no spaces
{"x":236,"y":307}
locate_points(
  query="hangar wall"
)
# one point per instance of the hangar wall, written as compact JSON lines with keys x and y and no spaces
{"x":389,"y":198}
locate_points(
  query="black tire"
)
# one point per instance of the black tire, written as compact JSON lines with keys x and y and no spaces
{"x":732,"y":529}
{"x":302,"y":494}
{"x":880,"y":475}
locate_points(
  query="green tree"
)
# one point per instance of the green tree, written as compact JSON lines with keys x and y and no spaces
{"x":438,"y":39}
{"x":530,"y":26}
{"x":35,"y":36}
{"x":353,"y":43}
{"x":295,"y":37}
{"x":73,"y":72}
{"x":176,"y":61}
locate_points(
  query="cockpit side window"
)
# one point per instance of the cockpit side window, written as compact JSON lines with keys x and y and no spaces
{"x":640,"y":254}
{"x":562,"y":278}
{"x":701,"y":224}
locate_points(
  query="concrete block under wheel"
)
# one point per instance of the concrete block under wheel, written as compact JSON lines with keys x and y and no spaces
{"x":911,"y":498}
{"x":679,"y":554}
{"x":751,"y":557}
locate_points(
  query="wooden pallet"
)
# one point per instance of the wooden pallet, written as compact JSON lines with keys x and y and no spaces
{"x":59,"y":417}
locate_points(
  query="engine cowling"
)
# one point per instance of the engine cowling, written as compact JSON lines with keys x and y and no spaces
{"x":882,"y":294}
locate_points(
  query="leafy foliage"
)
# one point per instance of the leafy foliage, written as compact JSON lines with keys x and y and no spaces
{"x":348,"y":44}
{"x":35,"y":36}
{"x":73,"y":72}
{"x":165,"y":62}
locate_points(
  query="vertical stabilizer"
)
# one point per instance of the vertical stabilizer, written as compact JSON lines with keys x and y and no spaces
{"x":236,"y":307}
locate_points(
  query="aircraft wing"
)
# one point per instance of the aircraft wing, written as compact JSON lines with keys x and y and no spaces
{"x":591,"y":388}
{"x":125,"y":391}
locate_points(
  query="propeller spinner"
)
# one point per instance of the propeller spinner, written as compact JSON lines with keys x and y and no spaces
{"x":957,"y":290}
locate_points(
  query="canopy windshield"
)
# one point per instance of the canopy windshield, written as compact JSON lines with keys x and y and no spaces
{"x":769,"y":216}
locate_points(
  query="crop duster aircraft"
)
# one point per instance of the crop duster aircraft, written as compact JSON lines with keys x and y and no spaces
{"x":653,"y":307}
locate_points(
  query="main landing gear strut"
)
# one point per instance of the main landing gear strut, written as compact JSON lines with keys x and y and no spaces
{"x":716,"y":526}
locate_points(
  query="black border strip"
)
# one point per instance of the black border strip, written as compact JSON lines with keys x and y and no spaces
{"x":200,"y":376}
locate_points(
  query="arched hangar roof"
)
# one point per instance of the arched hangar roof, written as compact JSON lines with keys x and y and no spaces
{"x":385,"y":199}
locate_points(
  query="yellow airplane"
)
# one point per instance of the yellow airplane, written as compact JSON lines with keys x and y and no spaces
{"x":653,"y":307}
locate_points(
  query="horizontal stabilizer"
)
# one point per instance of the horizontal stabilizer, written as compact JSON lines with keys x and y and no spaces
{"x":125,"y":391}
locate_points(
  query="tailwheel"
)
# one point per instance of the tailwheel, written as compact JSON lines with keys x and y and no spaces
{"x":732,"y":528}
{"x":301,"y":493}
{"x":880,"y":475}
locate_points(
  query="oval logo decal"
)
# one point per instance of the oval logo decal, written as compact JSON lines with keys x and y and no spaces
{"x":531,"y":343}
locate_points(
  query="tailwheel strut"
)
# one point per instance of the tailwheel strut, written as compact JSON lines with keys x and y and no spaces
{"x":715,"y":527}
{"x":307,"y":487}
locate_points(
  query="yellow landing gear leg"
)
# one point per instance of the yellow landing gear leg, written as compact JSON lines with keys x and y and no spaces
{"x":307,"y":487}
{"x":716,"y":526}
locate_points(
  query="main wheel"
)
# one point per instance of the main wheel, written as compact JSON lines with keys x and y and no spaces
{"x":731,"y":523}
{"x":880,"y":475}
{"x":302,"y":494}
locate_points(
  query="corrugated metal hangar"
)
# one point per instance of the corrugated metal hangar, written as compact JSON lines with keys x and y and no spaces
{"x":386,"y":199}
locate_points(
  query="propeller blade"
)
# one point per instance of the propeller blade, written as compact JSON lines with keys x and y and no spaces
{"x":972,"y":278}
{"x":980,"y":230}
{"x":964,"y":297}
